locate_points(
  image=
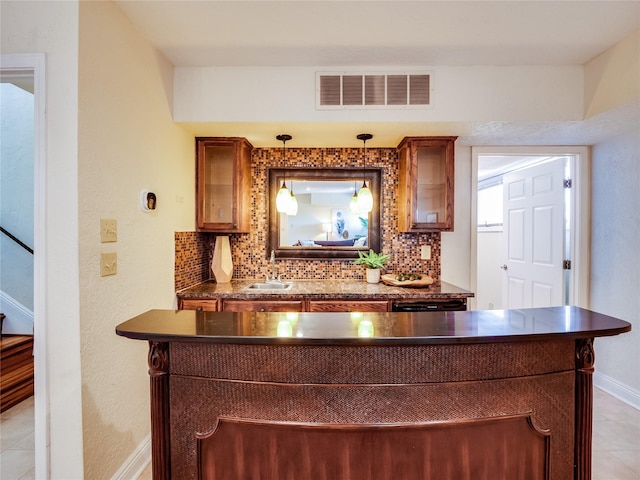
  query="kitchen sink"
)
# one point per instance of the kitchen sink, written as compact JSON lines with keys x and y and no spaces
{"x":270,"y":286}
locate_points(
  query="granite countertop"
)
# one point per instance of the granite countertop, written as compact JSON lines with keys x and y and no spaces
{"x":324,"y":289}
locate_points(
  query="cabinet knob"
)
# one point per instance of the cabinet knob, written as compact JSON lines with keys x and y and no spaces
{"x":504,"y":267}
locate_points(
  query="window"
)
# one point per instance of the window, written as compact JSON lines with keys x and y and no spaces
{"x":490,"y":205}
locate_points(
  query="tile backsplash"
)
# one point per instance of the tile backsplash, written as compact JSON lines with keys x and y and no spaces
{"x":250,"y":259}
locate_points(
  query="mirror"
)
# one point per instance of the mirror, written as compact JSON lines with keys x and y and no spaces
{"x":324,"y":226}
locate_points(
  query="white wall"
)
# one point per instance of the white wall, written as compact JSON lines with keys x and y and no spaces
{"x":612,"y":79}
{"x":489,"y":290}
{"x":615,"y":258}
{"x":52,"y":28}
{"x":233,"y":94}
{"x":455,"y":256}
{"x":127,"y":143}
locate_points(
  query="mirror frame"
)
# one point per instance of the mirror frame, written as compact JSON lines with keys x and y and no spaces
{"x":275,"y":177}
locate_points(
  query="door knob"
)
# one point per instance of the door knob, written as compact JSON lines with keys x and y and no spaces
{"x":504,"y":267}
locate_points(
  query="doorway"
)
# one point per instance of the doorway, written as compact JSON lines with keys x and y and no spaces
{"x":31,"y":67}
{"x":490,"y":274}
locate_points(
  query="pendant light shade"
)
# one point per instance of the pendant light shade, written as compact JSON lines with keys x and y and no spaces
{"x":365,"y":198}
{"x":283,"y":198}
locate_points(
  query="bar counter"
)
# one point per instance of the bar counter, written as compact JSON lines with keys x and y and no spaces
{"x":476,"y":394}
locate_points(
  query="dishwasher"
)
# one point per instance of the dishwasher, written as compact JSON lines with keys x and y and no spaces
{"x":429,"y":305}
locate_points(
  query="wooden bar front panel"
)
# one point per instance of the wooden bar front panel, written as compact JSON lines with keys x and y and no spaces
{"x":495,"y":448}
{"x":455,"y":386}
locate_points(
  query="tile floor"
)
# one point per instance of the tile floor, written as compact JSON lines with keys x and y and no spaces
{"x":616,"y":441}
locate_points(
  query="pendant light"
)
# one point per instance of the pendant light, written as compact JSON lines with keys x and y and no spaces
{"x":283,"y":198}
{"x":365,"y":199}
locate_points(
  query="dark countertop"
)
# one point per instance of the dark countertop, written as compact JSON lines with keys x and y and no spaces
{"x":390,"y":328}
{"x":320,"y":289}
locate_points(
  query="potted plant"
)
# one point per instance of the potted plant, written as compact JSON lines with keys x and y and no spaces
{"x":374,"y":262}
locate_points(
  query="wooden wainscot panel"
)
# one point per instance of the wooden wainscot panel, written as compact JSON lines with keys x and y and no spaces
{"x":506,"y":447}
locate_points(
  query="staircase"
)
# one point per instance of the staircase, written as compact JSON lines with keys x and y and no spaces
{"x":16,"y":369}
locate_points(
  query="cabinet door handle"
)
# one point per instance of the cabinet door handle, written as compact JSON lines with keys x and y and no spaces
{"x":504,"y":267}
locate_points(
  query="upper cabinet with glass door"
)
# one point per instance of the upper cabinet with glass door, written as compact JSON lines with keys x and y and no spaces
{"x":426,"y":184}
{"x":223,"y":183}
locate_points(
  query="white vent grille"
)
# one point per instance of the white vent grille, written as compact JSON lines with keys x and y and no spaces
{"x":373,"y":90}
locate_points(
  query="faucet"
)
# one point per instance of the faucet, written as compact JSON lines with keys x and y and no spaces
{"x":274,"y":278}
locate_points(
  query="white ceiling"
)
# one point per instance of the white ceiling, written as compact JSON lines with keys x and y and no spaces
{"x":392,"y":33}
{"x":381,"y":33}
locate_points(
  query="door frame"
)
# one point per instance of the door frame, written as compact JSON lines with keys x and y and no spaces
{"x":580,"y":216}
{"x":34,"y":64}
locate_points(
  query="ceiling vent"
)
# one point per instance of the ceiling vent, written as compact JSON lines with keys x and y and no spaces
{"x":373,"y":90}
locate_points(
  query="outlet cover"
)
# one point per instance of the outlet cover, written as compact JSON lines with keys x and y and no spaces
{"x":108,"y":264}
{"x":108,"y":230}
{"x":425,"y":252}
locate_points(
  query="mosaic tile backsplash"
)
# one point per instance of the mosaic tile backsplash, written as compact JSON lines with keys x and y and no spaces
{"x":194,"y":250}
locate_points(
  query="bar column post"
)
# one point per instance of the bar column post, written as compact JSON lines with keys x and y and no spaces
{"x":159,"y":381}
{"x":585,"y":359}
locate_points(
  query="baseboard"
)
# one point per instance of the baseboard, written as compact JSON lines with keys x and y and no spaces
{"x":617,"y":389}
{"x":19,"y":320}
{"x":136,"y":463}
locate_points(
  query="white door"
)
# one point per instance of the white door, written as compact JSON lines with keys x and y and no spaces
{"x":534,"y":236}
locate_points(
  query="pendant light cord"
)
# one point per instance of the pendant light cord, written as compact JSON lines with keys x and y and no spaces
{"x":364,"y":137}
{"x":284,"y":138}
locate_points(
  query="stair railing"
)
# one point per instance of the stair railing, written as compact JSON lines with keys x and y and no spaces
{"x":16,"y":240}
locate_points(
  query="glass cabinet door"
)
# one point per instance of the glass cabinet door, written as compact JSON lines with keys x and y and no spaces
{"x":430,"y":185}
{"x":426,"y":175}
{"x":218,"y":184}
{"x":223,"y":172}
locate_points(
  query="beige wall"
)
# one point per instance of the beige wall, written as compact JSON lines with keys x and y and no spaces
{"x":613,"y":77}
{"x":51,"y":27}
{"x":127,"y":143}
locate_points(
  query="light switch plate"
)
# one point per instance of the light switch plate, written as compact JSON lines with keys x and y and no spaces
{"x":425,"y":252}
{"x":108,"y":264}
{"x":108,"y":230}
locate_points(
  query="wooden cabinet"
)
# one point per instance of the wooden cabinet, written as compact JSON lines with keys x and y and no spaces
{"x":262,"y":305}
{"x":320,"y":305}
{"x":426,"y":184}
{"x":223,"y":184}
{"x":204,"y":305}
{"x":347,"y":305}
